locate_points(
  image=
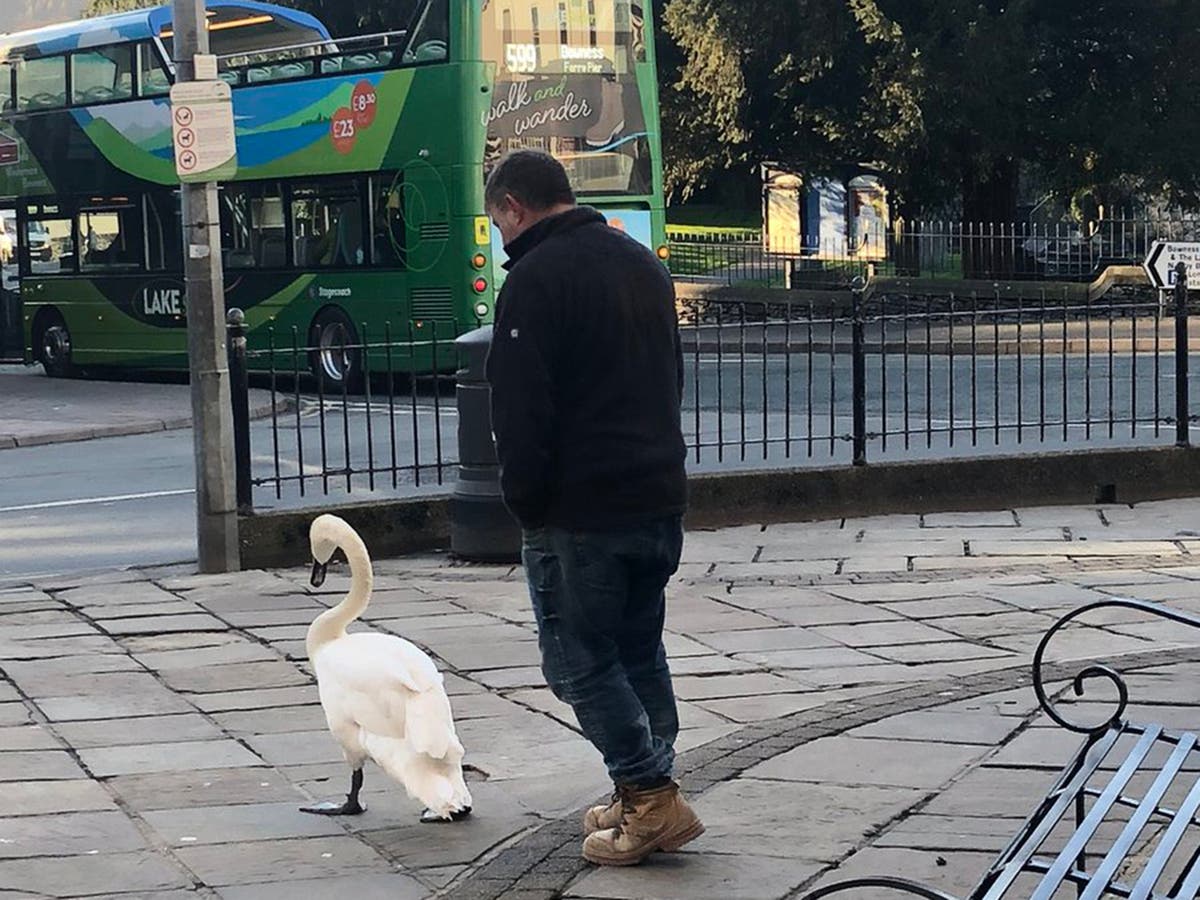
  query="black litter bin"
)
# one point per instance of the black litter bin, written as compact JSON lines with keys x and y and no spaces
{"x":481,"y":527}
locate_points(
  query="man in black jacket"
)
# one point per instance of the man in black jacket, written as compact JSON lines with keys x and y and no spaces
{"x":587,"y":376}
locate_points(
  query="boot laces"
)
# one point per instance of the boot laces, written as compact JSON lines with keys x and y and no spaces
{"x":624,"y":796}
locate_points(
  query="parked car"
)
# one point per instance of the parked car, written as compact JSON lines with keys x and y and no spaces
{"x":40,"y":246}
{"x":37,"y":235}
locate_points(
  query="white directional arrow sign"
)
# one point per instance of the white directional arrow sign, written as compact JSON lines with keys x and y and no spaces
{"x":1164,"y":256}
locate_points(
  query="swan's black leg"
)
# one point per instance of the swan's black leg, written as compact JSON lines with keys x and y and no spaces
{"x":351,"y":807}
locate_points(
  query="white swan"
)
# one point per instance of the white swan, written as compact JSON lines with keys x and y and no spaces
{"x":383,"y":697}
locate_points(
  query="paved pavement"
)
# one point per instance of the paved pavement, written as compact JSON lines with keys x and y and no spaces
{"x":35,"y":410}
{"x":854,"y":694}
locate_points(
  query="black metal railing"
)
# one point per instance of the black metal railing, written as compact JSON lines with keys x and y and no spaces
{"x":1025,"y":251}
{"x":842,"y":377}
{"x":862,"y":376}
{"x":386,"y":425}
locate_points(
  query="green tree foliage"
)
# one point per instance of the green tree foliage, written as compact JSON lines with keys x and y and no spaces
{"x":947,"y":97}
{"x":104,"y":7}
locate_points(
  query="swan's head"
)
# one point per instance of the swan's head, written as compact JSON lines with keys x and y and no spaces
{"x":325,"y":536}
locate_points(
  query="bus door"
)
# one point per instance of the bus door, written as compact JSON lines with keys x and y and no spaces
{"x":11,"y":336}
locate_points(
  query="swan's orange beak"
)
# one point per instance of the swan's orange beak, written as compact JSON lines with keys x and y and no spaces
{"x":318,"y":574}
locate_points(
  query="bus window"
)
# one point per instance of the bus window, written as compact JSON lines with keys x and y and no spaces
{"x":253,"y":233}
{"x":6,"y":91}
{"x":242,"y":32}
{"x":100,"y":75}
{"x":42,"y":83}
{"x":164,"y":235}
{"x":573,"y":91}
{"x":430,"y":34}
{"x":327,"y":225}
{"x":49,"y":242}
{"x":387,"y":222}
{"x":110,"y":238}
{"x":153,"y":80}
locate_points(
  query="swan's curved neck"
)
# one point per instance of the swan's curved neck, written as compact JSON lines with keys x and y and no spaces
{"x":332,"y":623}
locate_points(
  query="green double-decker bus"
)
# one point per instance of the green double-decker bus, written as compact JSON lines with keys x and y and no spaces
{"x":357,"y":207}
{"x":577,"y":78}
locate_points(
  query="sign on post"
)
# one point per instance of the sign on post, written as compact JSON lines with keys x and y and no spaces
{"x":202,"y":125}
{"x":1164,"y":256}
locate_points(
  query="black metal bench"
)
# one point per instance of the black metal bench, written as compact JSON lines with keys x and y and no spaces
{"x":1120,"y":821}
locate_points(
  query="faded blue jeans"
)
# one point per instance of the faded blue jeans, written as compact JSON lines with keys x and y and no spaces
{"x":600,"y":604}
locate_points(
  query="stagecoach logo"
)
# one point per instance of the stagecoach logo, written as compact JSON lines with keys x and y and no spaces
{"x":330,"y":293}
{"x":162,"y":303}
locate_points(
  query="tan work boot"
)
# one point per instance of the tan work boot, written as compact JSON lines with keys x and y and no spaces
{"x":656,"y":819}
{"x":600,"y":817}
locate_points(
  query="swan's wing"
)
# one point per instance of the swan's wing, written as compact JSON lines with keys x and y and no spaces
{"x":430,"y":723}
{"x":383,"y":684}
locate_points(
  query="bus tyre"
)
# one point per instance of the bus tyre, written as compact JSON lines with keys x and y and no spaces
{"x":53,"y":346}
{"x":335,"y":356}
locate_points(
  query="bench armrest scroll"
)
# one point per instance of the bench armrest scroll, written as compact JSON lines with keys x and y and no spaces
{"x":896,"y":884}
{"x":1117,"y":718}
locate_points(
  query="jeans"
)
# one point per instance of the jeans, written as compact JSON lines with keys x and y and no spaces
{"x":599,"y":601}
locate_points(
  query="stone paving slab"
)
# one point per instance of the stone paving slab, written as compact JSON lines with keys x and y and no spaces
{"x":38,"y":765}
{"x":688,"y":876}
{"x":52,"y":687}
{"x":36,"y":798}
{"x":956,"y":873}
{"x":949,"y":727}
{"x":297,"y":747}
{"x":861,"y":761}
{"x":113,"y":706}
{"x":27,"y":737}
{"x":870,"y":673}
{"x":762,"y":817}
{"x":238,"y":823}
{"x":68,"y":876}
{"x":203,"y":788}
{"x":264,"y":861}
{"x":68,"y":834}
{"x":360,"y":887}
{"x":272,"y":721}
{"x":181,"y":756}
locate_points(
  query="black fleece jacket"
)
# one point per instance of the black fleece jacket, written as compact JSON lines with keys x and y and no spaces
{"x":587,"y":376}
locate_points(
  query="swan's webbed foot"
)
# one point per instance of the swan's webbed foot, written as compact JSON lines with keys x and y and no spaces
{"x":351,"y":807}
{"x":429,"y":817}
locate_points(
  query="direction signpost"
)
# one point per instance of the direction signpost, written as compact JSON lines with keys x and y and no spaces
{"x":203,"y":131}
{"x":1162,"y":263}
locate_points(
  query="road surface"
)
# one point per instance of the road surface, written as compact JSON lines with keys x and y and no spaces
{"x":128,"y":500}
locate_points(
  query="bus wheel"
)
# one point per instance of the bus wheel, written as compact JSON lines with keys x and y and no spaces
{"x":53,"y":346}
{"x":335,"y":357}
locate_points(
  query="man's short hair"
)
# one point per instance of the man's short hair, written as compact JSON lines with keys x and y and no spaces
{"x":536,"y":179}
